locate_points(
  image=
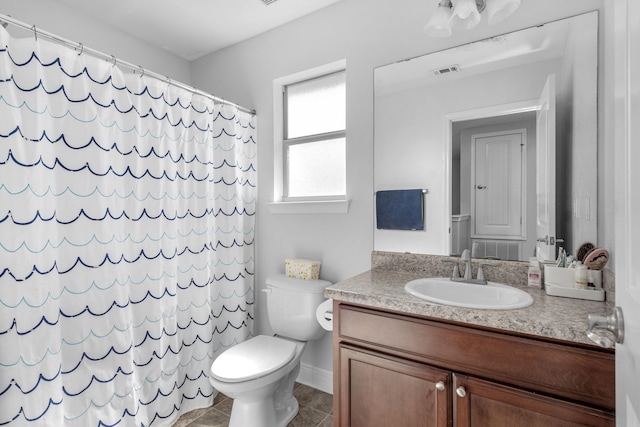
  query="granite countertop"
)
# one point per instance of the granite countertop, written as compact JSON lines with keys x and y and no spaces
{"x":548,"y":317}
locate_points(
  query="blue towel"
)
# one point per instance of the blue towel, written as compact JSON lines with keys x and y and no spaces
{"x":400,"y":210}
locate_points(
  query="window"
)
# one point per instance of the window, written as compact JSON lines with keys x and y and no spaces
{"x":310,"y":141}
{"x":314,"y":140}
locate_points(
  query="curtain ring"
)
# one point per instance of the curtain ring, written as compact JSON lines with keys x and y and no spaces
{"x":141,"y":71}
{"x":35,"y":31}
{"x":81,"y":46}
{"x":114,"y":60}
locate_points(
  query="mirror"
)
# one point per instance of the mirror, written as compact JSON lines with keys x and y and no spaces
{"x":502,"y":133}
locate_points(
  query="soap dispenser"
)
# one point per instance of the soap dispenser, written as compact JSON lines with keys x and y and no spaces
{"x":534,"y":277}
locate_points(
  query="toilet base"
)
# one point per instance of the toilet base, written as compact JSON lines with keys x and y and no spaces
{"x":243,"y":414}
{"x":285,"y":415}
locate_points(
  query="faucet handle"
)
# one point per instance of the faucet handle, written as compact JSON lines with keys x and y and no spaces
{"x":481,"y":270}
{"x":466,"y":255}
{"x":456,"y":267}
{"x":456,"y":270}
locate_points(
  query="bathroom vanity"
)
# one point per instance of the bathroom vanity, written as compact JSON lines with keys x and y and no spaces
{"x":401,"y":361}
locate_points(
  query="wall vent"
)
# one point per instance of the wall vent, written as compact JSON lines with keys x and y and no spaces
{"x":268,"y":2}
{"x":497,"y":249}
{"x":446,"y":70}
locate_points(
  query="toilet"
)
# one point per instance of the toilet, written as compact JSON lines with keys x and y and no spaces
{"x":259,"y":374}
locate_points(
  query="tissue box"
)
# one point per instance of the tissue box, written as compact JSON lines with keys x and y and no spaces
{"x":559,"y":276}
{"x":302,"y":269}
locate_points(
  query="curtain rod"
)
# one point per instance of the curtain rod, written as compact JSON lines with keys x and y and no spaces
{"x":79,"y":47}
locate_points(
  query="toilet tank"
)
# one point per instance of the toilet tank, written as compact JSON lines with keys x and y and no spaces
{"x":292,"y":304}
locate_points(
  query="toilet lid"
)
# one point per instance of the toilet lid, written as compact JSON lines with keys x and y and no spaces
{"x":253,"y":358}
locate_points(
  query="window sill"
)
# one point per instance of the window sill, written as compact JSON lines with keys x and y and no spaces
{"x":310,"y":207}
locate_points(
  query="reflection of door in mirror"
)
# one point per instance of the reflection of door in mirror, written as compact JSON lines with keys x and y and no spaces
{"x":493,"y":171}
{"x":496,"y":184}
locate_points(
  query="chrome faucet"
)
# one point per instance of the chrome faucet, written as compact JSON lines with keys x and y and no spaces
{"x":468,"y":275}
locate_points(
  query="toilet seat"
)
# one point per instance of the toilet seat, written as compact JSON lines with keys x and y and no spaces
{"x":252,"y":359}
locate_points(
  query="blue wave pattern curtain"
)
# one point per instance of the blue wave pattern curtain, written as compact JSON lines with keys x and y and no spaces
{"x":126,"y":240}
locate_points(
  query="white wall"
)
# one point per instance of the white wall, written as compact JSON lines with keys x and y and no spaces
{"x":66,"y":23}
{"x":580,"y":180}
{"x":367,"y":34}
{"x":606,"y":135}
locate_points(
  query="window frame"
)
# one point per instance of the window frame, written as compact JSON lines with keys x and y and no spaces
{"x":286,"y":144}
{"x":308,"y":204}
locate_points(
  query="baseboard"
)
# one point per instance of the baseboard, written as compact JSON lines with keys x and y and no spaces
{"x":320,"y":379}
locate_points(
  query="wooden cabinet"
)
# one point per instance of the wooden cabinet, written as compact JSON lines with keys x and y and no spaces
{"x":484,"y":403}
{"x":386,"y":391}
{"x":397,"y":370}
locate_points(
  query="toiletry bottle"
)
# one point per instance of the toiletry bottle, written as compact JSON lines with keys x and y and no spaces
{"x":581,"y":276}
{"x":534,"y":277}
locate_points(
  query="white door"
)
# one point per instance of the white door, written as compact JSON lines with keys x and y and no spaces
{"x":546,"y":172}
{"x":627,"y":202}
{"x":496,"y":184}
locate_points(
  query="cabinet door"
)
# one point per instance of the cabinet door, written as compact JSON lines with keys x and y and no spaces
{"x":482,"y":403}
{"x":379,"y":390}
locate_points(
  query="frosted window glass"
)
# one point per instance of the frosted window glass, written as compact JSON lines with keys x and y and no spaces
{"x":317,"y":168}
{"x":316,"y":106}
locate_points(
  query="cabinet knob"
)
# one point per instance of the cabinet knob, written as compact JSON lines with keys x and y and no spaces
{"x":460,"y":391}
{"x":440,"y":386}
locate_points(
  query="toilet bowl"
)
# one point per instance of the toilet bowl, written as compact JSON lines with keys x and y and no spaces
{"x":259,"y":374}
{"x":262,"y":392}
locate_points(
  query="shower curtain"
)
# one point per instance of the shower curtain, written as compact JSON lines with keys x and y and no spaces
{"x":126,"y":240}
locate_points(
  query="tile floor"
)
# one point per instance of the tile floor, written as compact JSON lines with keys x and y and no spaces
{"x":316,"y":410}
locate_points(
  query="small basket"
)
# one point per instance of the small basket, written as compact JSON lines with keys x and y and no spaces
{"x":302,"y":269}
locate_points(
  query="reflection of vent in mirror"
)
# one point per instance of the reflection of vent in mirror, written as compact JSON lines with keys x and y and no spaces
{"x":446,"y":70}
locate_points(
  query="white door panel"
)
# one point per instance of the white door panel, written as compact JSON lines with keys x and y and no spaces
{"x":627,"y":202}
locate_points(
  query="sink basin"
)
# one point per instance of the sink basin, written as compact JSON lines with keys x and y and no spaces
{"x":492,"y":296}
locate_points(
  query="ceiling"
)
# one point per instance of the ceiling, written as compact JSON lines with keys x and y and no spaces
{"x":193,"y":28}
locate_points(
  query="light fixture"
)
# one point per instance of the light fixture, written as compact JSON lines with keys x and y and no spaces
{"x":438,"y":25}
{"x":499,"y":10}
{"x":465,"y":14}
